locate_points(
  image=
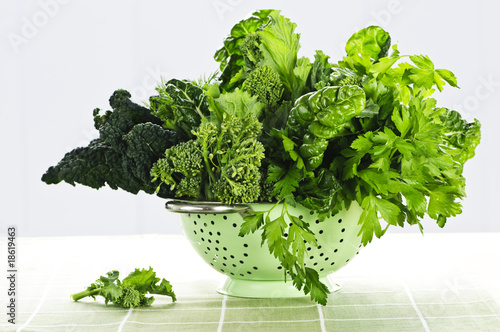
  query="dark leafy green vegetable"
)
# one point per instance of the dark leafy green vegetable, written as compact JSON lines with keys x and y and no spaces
{"x":223,"y":162}
{"x":131,"y":291}
{"x":130,"y":141}
{"x":232,"y":59}
{"x":180,"y":105}
{"x":276,"y":127}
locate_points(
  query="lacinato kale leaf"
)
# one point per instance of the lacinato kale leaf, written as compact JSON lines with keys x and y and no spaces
{"x":131,"y":140}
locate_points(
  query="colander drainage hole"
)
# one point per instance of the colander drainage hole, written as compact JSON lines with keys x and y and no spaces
{"x":195,"y":222}
{"x":199,"y":216}
{"x":224,"y":248}
{"x":194,"y":232}
{"x":335,"y":250}
{"x":217,"y":241}
{"x":232,"y":256}
{"x":216,"y":249}
{"x":225,"y":258}
{"x":245,"y":245}
{"x":225,"y":217}
{"x":218,"y":233}
{"x":340,"y":220}
{"x":245,"y":254}
{"x":232,"y":273}
{"x":320,"y":232}
{"x":209,"y":241}
{"x":255,"y":268}
{"x":222,"y":270}
{"x":311,"y":212}
{"x":309,"y":249}
{"x":205,"y":224}
{"x":280,"y":267}
{"x":224,"y":264}
{"x":343,"y":230}
{"x":234,"y":265}
{"x":201,"y":230}
{"x":234,"y":225}
{"x":202,"y":239}
{"x":341,"y":240}
{"x":241,"y":262}
{"x":317,"y":221}
{"x":241,"y":274}
{"x":332,"y":263}
{"x":212,"y":222}
{"x":210,"y":233}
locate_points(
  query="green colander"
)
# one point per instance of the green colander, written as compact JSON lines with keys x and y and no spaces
{"x":252,"y":271}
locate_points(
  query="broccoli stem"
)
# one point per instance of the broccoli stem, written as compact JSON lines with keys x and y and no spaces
{"x":85,"y":293}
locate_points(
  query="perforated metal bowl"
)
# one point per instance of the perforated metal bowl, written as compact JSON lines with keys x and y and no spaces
{"x":252,"y":271}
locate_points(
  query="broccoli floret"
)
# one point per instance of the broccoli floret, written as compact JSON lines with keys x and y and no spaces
{"x":239,"y":183}
{"x":266,"y":84}
{"x":235,"y":156}
{"x":250,"y":48}
{"x":223,"y":162}
{"x":350,"y":80}
{"x":129,"y":293}
{"x":131,"y":298}
{"x":181,"y":168}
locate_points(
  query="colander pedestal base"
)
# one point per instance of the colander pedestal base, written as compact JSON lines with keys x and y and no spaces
{"x":267,"y":288}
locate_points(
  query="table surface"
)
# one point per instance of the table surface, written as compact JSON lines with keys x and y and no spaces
{"x":403,"y":282}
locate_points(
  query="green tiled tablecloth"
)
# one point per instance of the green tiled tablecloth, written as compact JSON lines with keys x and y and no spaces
{"x":445,"y":282}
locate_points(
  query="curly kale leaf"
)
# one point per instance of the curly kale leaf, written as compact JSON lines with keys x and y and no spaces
{"x":131,"y":140}
{"x":180,"y":105}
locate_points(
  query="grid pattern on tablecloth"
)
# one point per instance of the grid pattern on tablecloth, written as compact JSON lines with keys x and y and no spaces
{"x":383,"y":303}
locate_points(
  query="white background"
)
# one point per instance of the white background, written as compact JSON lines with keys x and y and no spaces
{"x":61,"y":59}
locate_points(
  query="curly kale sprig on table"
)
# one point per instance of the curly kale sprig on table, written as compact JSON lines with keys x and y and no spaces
{"x":281,"y":128}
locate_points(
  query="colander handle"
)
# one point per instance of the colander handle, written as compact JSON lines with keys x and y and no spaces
{"x":180,"y":206}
